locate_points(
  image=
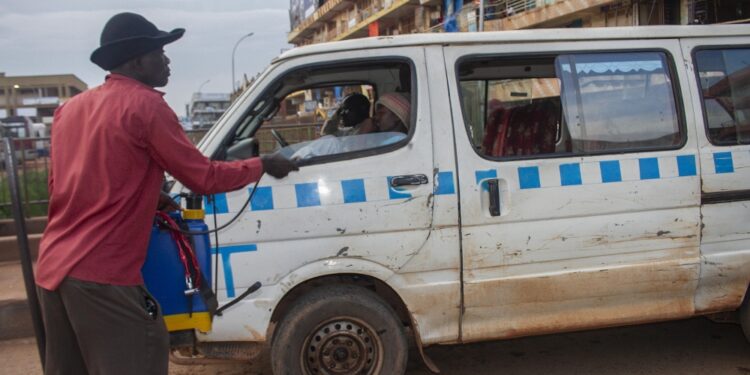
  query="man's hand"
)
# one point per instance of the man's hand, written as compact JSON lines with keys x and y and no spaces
{"x":367,"y":126}
{"x":277,"y":165}
{"x":166,"y":203}
{"x":331,"y":126}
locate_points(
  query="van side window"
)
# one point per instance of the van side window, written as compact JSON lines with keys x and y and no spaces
{"x":569,"y":104}
{"x":724,"y":76}
{"x":322,"y":113}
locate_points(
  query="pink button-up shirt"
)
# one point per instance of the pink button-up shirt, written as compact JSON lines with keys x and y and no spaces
{"x":110,"y":148}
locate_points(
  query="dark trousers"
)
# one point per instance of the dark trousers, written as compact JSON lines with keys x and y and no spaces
{"x":102,"y":329}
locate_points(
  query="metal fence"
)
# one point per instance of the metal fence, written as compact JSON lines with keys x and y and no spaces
{"x":32,"y":156}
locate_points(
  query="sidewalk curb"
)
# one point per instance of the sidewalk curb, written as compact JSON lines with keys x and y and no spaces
{"x":9,"y":247}
{"x":15,"y":320}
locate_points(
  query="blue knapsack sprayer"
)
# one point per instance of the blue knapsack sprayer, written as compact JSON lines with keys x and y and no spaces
{"x":177,"y":271}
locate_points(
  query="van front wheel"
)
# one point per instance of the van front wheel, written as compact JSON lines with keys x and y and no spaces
{"x":339,"y":329}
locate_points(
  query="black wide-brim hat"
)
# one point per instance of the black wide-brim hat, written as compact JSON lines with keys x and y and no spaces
{"x":128,"y":35}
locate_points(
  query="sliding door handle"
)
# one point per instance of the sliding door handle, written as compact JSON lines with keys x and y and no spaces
{"x":494,"y":191}
{"x":411,"y":179}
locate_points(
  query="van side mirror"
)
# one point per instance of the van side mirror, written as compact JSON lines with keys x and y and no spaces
{"x":243,"y":149}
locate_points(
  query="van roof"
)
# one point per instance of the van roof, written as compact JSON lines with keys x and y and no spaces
{"x":522,"y":36}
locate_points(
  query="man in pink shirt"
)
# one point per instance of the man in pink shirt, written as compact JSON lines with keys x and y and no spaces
{"x":110,"y":148}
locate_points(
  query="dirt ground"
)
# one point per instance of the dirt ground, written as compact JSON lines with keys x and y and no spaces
{"x":689,"y":347}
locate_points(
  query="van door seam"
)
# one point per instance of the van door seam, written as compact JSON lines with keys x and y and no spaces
{"x":458,"y":198}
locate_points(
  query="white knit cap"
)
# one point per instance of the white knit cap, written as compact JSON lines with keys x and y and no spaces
{"x":397,"y":103}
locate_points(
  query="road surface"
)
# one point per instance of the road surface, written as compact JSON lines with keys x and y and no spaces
{"x":689,"y":347}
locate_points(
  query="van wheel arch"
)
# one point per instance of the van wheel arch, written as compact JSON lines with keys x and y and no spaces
{"x":376,"y":285}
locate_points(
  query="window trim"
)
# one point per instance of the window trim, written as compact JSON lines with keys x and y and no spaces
{"x":676,"y":94}
{"x":273,"y":85}
{"x":704,"y":113}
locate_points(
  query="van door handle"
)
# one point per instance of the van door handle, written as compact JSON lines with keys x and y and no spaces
{"x":411,"y":179}
{"x":494,"y":190}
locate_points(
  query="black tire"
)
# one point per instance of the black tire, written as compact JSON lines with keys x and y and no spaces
{"x":339,"y":329}
{"x":745,"y":317}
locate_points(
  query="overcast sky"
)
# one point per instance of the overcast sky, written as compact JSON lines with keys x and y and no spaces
{"x":57,"y":37}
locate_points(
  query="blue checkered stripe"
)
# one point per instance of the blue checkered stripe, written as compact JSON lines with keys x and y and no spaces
{"x":725,"y":169}
{"x":726,"y":162}
{"x":322,"y":193}
{"x":600,"y":172}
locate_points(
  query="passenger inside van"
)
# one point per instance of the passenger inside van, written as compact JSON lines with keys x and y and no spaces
{"x":392,"y":113}
{"x":389,"y":124}
{"x":352,"y":114}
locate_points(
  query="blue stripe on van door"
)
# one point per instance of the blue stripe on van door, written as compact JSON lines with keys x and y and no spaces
{"x":354,"y":190}
{"x":570,"y":174}
{"x":220,"y":201}
{"x":307,"y":194}
{"x":610,"y":170}
{"x":528,"y":177}
{"x":723,"y":162}
{"x":262,"y":199}
{"x":226,"y":251}
{"x":649,"y":168}
{"x":686,"y":165}
{"x":445,"y":184}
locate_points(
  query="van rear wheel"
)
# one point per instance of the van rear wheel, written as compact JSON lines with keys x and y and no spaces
{"x":339,"y":329}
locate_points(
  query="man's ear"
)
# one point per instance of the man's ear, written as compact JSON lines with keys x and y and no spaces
{"x":136,"y":63}
{"x":127,"y":67}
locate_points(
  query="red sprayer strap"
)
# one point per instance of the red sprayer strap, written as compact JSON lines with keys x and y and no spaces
{"x":184,"y":249}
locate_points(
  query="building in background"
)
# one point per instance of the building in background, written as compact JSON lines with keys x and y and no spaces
{"x":206,"y":108}
{"x":317,"y":21}
{"x":36,"y":97}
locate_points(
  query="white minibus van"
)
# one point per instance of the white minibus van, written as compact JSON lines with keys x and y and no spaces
{"x":546,"y":181}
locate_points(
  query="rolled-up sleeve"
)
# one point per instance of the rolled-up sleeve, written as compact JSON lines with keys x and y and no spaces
{"x":172,"y":150}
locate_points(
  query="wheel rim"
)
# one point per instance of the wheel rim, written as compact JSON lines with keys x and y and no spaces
{"x":342,"y":345}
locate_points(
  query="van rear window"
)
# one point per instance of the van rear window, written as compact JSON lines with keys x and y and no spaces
{"x":569,"y":104}
{"x":724,"y":76}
